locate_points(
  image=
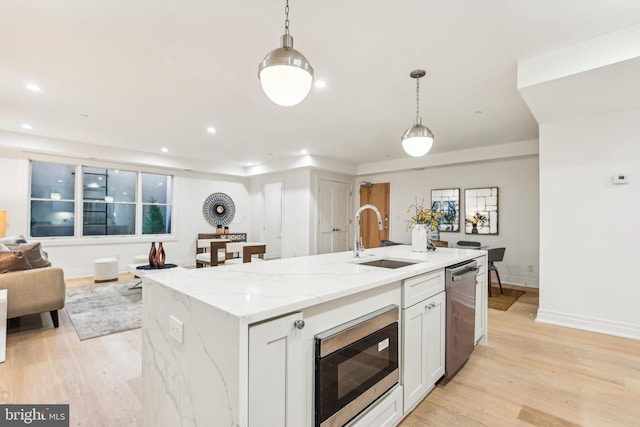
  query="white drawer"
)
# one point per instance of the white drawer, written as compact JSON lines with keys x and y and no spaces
{"x":419,"y":288}
{"x":386,"y":412}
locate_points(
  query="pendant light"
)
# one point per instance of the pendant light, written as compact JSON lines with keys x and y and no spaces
{"x":418,"y":139}
{"x":285,"y":74}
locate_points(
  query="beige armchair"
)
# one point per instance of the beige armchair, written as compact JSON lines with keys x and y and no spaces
{"x":34,"y":291}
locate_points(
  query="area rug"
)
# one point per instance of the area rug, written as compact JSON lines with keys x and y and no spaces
{"x":503,"y":301}
{"x":104,"y":308}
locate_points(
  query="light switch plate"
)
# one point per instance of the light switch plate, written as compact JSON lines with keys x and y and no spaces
{"x":176,"y":329}
{"x":620,"y":179}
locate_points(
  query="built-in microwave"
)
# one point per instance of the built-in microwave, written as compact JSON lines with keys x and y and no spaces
{"x":356,"y":363}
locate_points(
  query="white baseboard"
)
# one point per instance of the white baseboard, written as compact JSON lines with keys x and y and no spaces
{"x":592,"y":324}
{"x":527,"y":282}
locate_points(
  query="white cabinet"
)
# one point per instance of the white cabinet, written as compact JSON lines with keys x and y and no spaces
{"x":423,"y":357}
{"x":481,"y":300}
{"x":277,"y":387}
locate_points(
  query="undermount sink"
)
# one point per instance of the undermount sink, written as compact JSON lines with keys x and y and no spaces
{"x":387,"y":263}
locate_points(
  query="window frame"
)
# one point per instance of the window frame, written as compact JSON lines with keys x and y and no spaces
{"x":79,"y":202}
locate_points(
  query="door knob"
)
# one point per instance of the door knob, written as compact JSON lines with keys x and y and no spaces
{"x":299,"y":324}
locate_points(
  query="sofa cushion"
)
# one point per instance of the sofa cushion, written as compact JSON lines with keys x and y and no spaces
{"x":13,"y":261}
{"x":33,"y":252}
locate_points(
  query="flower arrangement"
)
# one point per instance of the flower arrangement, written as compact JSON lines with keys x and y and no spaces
{"x":478,"y":219}
{"x":429,"y":217}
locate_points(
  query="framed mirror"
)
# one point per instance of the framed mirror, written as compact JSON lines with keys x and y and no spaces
{"x":447,"y":202}
{"x":481,"y":210}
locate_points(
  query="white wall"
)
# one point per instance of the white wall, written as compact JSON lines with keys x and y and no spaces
{"x":517,"y":182}
{"x":76,"y":256}
{"x":589,"y":226}
{"x":296,"y":224}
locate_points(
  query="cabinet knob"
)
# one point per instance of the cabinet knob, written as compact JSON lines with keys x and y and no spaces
{"x":299,"y":324}
{"x":431,"y":306}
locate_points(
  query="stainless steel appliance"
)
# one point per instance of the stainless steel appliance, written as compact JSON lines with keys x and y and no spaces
{"x":356,"y":363}
{"x":460,"y":285}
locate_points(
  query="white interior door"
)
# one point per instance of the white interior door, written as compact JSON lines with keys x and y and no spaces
{"x":272,"y":228}
{"x":333,"y":199}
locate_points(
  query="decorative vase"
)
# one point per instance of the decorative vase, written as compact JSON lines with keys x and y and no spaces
{"x":419,"y":233}
{"x":152,"y":255}
{"x":435,"y":235}
{"x":474,"y":228}
{"x":160,"y":256}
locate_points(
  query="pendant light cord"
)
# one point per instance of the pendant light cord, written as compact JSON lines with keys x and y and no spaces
{"x":417,"y":100}
{"x":286,"y":19}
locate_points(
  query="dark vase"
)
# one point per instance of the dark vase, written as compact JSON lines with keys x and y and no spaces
{"x":160,"y":256}
{"x":152,"y":255}
{"x":474,"y":228}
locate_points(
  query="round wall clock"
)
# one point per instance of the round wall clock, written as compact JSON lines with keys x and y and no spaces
{"x":218,"y":209}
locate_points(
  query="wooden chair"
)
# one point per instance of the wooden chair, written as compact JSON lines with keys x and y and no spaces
{"x":216,"y":253}
{"x":494,"y":255}
{"x":204,"y":240}
{"x":248,"y":252}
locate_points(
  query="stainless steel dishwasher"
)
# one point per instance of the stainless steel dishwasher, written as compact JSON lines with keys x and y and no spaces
{"x":460,"y":285}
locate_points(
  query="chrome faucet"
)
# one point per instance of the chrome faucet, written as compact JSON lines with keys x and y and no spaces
{"x":357,"y":244}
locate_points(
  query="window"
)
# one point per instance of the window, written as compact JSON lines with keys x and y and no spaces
{"x":52,"y":199}
{"x":108,"y":206}
{"x":110,"y":201}
{"x":156,"y":204}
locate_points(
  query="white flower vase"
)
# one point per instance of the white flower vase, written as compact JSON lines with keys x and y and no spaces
{"x":419,"y":237}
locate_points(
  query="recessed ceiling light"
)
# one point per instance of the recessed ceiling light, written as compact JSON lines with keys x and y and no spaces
{"x":250,"y":163}
{"x":477,"y":112}
{"x":164,"y":149}
{"x":84,"y":115}
{"x":26,"y":126}
{"x":60,"y":181}
{"x":320,"y":84}
{"x":303,"y":152}
{"x":33,"y":87}
{"x":211,"y":129}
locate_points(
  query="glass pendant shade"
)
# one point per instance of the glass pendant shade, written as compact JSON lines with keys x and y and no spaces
{"x":417,"y":140}
{"x":285,"y":74}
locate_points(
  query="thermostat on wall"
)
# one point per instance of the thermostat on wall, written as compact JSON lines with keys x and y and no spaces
{"x":620,"y":179}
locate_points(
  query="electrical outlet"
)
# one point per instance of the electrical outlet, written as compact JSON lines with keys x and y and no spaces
{"x":176,"y":329}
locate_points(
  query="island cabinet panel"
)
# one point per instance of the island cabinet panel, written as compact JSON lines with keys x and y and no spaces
{"x":481,"y":301}
{"x":424,"y":327}
{"x":276,"y":373}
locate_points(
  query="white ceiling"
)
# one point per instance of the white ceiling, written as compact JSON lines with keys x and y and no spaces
{"x":151,"y":74}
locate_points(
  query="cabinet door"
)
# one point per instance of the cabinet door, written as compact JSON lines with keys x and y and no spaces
{"x":436,"y":334}
{"x":276,"y":373}
{"x":414,"y":355}
{"x":481,"y":301}
{"x":424,"y":345}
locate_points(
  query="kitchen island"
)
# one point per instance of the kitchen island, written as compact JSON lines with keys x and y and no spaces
{"x":207,"y":360}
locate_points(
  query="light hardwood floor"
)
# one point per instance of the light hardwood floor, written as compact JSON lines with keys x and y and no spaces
{"x":529,"y":374}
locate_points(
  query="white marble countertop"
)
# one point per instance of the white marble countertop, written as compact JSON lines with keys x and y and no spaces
{"x":261,"y":290}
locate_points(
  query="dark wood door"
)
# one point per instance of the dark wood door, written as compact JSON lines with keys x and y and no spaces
{"x":378,"y":196}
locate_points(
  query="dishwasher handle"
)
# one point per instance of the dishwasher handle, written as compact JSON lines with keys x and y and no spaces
{"x":459,"y":275}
